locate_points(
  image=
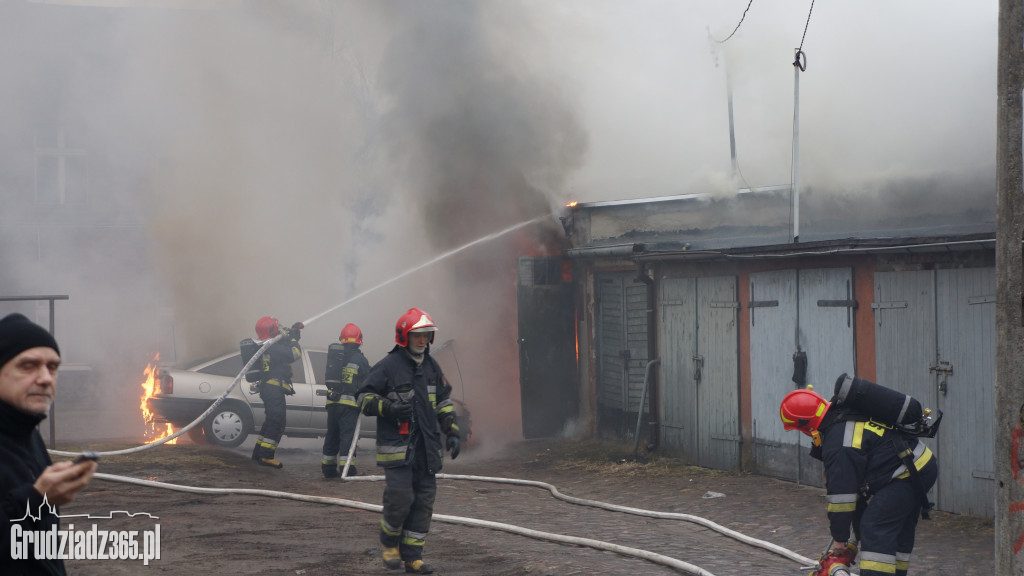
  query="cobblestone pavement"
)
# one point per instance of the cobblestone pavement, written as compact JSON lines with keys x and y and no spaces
{"x":246,"y":535}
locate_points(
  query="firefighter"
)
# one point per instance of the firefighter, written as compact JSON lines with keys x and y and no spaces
{"x":876,"y":480}
{"x":275,"y":382}
{"x":410,"y":396}
{"x":347,"y":367}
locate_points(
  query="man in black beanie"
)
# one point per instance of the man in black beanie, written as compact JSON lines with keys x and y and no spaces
{"x":29,"y":359}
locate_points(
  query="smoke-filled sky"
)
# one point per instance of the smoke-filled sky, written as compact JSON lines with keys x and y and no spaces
{"x":278,"y":158}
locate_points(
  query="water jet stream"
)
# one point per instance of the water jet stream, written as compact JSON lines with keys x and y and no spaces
{"x":435,"y":260}
{"x":267,"y":343}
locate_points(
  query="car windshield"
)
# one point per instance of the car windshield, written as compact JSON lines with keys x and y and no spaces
{"x":232,"y":365}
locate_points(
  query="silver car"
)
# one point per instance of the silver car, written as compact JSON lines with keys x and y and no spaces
{"x":181,"y":395}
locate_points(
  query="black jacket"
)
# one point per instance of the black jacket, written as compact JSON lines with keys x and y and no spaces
{"x":860,"y":459}
{"x":22,"y":459}
{"x":433,"y":411}
{"x":275,"y":366}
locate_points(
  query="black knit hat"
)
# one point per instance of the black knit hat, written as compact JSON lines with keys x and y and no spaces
{"x":18,"y":333}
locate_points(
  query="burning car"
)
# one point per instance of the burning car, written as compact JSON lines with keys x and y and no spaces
{"x":179,"y":396}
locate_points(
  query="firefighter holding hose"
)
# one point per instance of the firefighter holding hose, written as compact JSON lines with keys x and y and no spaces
{"x":275,"y":382}
{"x":410,"y":396}
{"x":347,"y":367}
{"x":877,"y":471}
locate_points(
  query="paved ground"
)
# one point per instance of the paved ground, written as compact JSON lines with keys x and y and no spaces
{"x":257,"y":535}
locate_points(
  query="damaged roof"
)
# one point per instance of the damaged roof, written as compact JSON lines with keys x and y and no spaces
{"x":923,"y":215}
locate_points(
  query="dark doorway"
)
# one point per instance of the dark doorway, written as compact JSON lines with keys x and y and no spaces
{"x":547,"y":346}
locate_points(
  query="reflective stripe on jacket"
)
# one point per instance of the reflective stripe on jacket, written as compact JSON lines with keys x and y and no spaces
{"x":860,"y":459}
{"x":432,"y":407}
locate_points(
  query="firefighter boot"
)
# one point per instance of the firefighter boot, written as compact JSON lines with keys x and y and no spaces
{"x":268,"y":462}
{"x":392,"y":559}
{"x":330,"y":470}
{"x":418,"y":567}
{"x":352,"y":471}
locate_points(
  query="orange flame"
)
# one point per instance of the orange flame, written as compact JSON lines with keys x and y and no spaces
{"x":572,"y":204}
{"x":153,"y":431}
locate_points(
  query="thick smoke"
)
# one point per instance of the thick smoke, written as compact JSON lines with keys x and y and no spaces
{"x":278,"y":158}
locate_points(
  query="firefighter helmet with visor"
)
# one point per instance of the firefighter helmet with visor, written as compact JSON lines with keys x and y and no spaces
{"x":414,"y":320}
{"x":267,"y":327}
{"x":803,"y":410}
{"x":351,"y":334}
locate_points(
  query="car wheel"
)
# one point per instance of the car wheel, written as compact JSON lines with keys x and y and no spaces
{"x":197,"y":435}
{"x":229,"y":426}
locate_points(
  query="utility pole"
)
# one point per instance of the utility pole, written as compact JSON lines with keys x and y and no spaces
{"x":1009,"y":386}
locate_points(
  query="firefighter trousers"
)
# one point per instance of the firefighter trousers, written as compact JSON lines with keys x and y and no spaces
{"x":275,"y":411}
{"x":341,"y":426}
{"x":409,"y":493}
{"x":889,"y":523}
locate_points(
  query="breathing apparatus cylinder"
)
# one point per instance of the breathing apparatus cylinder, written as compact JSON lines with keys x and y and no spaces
{"x":882,"y":404}
{"x":249,"y":348}
{"x":335,"y":362}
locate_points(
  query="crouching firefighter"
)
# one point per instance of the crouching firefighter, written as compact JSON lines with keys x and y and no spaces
{"x":346,"y":370}
{"x":274,"y":379}
{"x":877,"y":471}
{"x":410,"y":397}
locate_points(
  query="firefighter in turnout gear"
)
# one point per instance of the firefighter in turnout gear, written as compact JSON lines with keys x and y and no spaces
{"x":346,"y":370}
{"x":877,"y":476}
{"x":410,"y":397}
{"x":275,"y":382}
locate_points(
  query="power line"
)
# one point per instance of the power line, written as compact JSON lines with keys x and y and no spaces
{"x":737,"y":24}
{"x":801,"y":48}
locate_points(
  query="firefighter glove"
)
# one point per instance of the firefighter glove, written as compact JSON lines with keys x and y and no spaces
{"x":295,"y":332}
{"x":400,"y":410}
{"x":453,"y":446}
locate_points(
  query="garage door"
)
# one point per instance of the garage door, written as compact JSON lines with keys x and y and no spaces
{"x":700,"y":378}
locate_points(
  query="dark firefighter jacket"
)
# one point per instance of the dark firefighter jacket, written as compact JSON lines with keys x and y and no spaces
{"x":433,"y":410}
{"x":275,"y":366}
{"x":344,"y":377}
{"x":22,"y":459}
{"x":860,"y":459}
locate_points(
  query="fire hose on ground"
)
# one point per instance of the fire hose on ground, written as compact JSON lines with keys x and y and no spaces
{"x":588,"y":542}
{"x":536,"y":534}
{"x":464,"y":521}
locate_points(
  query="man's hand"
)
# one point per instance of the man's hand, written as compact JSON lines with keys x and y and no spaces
{"x":453,"y":446}
{"x":295,"y":331}
{"x":61,"y":482}
{"x":399,"y":410}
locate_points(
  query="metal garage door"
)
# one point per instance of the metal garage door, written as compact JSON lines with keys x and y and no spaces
{"x":621,"y":350}
{"x":700,"y":377}
{"x":935,"y":338}
{"x":795,"y":311}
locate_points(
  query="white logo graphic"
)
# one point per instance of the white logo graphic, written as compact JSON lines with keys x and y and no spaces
{"x":91,"y":544}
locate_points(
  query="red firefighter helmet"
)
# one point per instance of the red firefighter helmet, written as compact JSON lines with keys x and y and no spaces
{"x":414,"y":320}
{"x":803,"y":410}
{"x":351,"y":334}
{"x":267,"y":328}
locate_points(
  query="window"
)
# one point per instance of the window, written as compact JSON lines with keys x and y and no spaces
{"x":61,"y":174}
{"x":318,"y":363}
{"x":232,"y":365}
{"x":229,"y":366}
